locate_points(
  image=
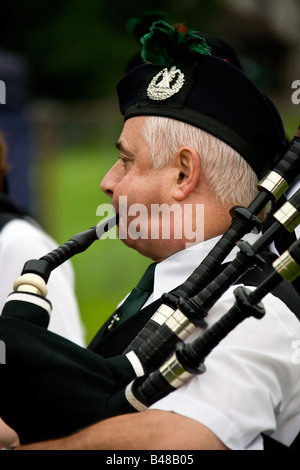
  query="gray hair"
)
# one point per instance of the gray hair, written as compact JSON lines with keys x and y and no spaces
{"x":230,"y":177}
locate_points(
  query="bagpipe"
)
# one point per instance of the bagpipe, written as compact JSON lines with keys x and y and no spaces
{"x":51,"y":387}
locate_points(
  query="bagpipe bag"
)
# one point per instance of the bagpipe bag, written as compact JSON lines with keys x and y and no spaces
{"x":51,"y":387}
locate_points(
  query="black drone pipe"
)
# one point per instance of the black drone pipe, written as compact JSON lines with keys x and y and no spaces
{"x":244,"y":220}
{"x":191,"y":312}
{"x":188,"y":359}
{"x":272,"y":187}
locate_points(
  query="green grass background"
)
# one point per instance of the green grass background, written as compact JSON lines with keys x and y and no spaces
{"x":70,"y":196}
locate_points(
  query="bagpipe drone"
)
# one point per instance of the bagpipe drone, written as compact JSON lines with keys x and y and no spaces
{"x":51,"y":387}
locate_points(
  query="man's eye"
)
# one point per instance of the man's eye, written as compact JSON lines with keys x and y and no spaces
{"x":124,"y":161}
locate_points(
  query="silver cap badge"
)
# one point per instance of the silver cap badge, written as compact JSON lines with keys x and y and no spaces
{"x":165,"y":84}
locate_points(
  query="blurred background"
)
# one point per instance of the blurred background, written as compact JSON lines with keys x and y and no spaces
{"x":60,"y":61}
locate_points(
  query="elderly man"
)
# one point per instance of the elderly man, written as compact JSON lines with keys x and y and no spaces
{"x":197,"y":133}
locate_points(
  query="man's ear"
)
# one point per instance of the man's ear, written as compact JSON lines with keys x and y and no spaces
{"x":188,"y":172}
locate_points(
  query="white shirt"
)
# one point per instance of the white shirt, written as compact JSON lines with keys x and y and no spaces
{"x":252,"y":379}
{"x":21,"y":241}
{"x":291,"y":191}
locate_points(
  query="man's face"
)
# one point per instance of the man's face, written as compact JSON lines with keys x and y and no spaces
{"x":135,"y":187}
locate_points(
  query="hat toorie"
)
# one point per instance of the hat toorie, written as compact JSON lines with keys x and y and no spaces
{"x":182,"y":80}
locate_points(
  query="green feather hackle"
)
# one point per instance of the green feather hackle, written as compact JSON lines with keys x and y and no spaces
{"x":166,"y":46}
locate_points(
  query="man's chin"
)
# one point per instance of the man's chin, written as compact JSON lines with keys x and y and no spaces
{"x":143,"y":247}
{"x":156,"y":250}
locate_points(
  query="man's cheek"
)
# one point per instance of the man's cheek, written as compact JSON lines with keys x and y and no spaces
{"x":138,"y":222}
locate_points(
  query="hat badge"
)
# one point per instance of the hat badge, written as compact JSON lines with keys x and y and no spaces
{"x":165,"y":84}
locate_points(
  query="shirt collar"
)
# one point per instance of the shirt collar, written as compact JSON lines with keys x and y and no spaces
{"x":174,"y":270}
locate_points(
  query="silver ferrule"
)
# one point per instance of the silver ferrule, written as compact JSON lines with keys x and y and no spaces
{"x":287,"y":267}
{"x":288,"y":216}
{"x":174,"y":373}
{"x":162,"y":314}
{"x":180,"y":325}
{"x":274,"y":183}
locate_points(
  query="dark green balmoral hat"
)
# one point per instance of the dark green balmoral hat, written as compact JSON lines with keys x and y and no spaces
{"x":182,"y":80}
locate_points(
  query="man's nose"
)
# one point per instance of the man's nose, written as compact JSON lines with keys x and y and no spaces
{"x":110,"y":180}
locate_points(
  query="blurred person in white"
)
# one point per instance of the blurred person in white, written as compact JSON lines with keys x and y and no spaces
{"x":21,"y":239}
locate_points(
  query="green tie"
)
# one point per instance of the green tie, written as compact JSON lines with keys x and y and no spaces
{"x":138,"y":295}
